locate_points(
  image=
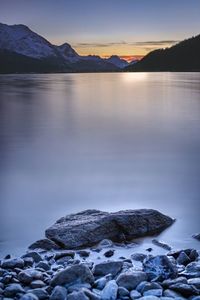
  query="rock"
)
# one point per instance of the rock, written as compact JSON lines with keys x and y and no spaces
{"x":159,"y":267}
{"x":43,"y":265}
{"x":130,"y":280}
{"x":149,"y":298}
{"x":175,"y":253}
{"x":83,"y":253}
{"x":2,"y":272}
{"x":172,"y":294}
{"x":37,"y":284}
{"x":110,"y":267}
{"x":89,"y":227}
{"x":28,"y":261}
{"x":149,"y":286}
{"x":28,"y":275}
{"x":134,"y":295}
{"x":91,"y":295}
{"x":149,"y":249}
{"x":122,"y":292}
{"x":29,"y":296}
{"x":154,"y":292}
{"x":196,"y":236}
{"x":161,"y":244}
{"x":138,"y":256}
{"x":12,"y":263}
{"x":74,"y":274}
{"x":101,"y":282}
{"x":35,"y":256}
{"x":109,"y":253}
{"x":12,"y":289}
{"x":193,"y":254}
{"x":110,"y":291}
{"x":78,"y":286}
{"x":77,"y":296}
{"x":59,"y":293}
{"x":141,"y":286}
{"x":184,"y":289}
{"x":44,"y":244}
{"x":192,"y":270}
{"x":6,"y":279}
{"x":183,"y":259}
{"x":64,"y":261}
{"x":105,"y":243}
{"x":195,"y":282}
{"x":61,"y":254}
{"x":40,"y":293}
{"x":166,"y":283}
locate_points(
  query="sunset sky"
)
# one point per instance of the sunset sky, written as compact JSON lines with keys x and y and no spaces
{"x":128,"y":28}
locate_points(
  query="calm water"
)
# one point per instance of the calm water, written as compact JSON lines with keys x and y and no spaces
{"x":70,"y":142}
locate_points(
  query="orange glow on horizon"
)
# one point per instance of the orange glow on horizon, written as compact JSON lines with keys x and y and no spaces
{"x":128,"y":58}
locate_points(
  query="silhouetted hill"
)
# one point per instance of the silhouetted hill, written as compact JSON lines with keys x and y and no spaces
{"x":184,"y":56}
{"x":12,"y":62}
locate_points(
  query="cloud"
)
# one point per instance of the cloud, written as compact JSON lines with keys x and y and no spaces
{"x":155,"y":43}
{"x":145,"y":44}
{"x":100,"y":45}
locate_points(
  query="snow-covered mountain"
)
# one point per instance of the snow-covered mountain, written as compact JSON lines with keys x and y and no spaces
{"x":68,"y":53}
{"x":117,"y":61}
{"x":20,"y":40}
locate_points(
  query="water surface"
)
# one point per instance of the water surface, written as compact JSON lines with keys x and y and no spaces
{"x":70,"y":142}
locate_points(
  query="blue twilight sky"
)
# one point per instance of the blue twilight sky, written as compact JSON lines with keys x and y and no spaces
{"x":104,"y":27}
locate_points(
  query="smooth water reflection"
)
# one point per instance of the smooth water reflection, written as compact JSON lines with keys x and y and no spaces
{"x":69,"y":142}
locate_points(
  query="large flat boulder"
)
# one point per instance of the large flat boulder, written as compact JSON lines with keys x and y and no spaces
{"x":89,"y":227}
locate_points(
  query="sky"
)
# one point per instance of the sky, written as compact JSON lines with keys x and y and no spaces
{"x":128,"y":28}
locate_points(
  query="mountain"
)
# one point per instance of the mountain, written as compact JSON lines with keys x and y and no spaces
{"x":184,"y":56}
{"x":67,"y":52}
{"x":22,"y":50}
{"x":117,"y":61}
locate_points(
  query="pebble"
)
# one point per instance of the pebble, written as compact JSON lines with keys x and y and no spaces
{"x":110,"y":291}
{"x":37,"y":276}
{"x":12,"y":263}
{"x":29,"y":296}
{"x":12,"y":289}
{"x":35,"y":256}
{"x":58,"y":293}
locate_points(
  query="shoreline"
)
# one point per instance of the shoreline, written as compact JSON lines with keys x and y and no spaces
{"x":98,"y":273}
{"x":106,"y":270}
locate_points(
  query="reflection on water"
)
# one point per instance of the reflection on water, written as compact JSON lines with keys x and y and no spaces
{"x":69,"y":142}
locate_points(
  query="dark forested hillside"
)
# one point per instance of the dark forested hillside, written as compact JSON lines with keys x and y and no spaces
{"x":184,"y":56}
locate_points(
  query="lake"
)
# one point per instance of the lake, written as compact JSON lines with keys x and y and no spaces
{"x":69,"y":142}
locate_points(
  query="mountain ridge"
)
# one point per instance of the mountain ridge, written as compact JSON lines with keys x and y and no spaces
{"x":19,"y":42}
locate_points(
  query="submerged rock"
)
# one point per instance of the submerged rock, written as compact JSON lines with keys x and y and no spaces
{"x":196,"y":236}
{"x":89,"y":227}
{"x":161,"y":244}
